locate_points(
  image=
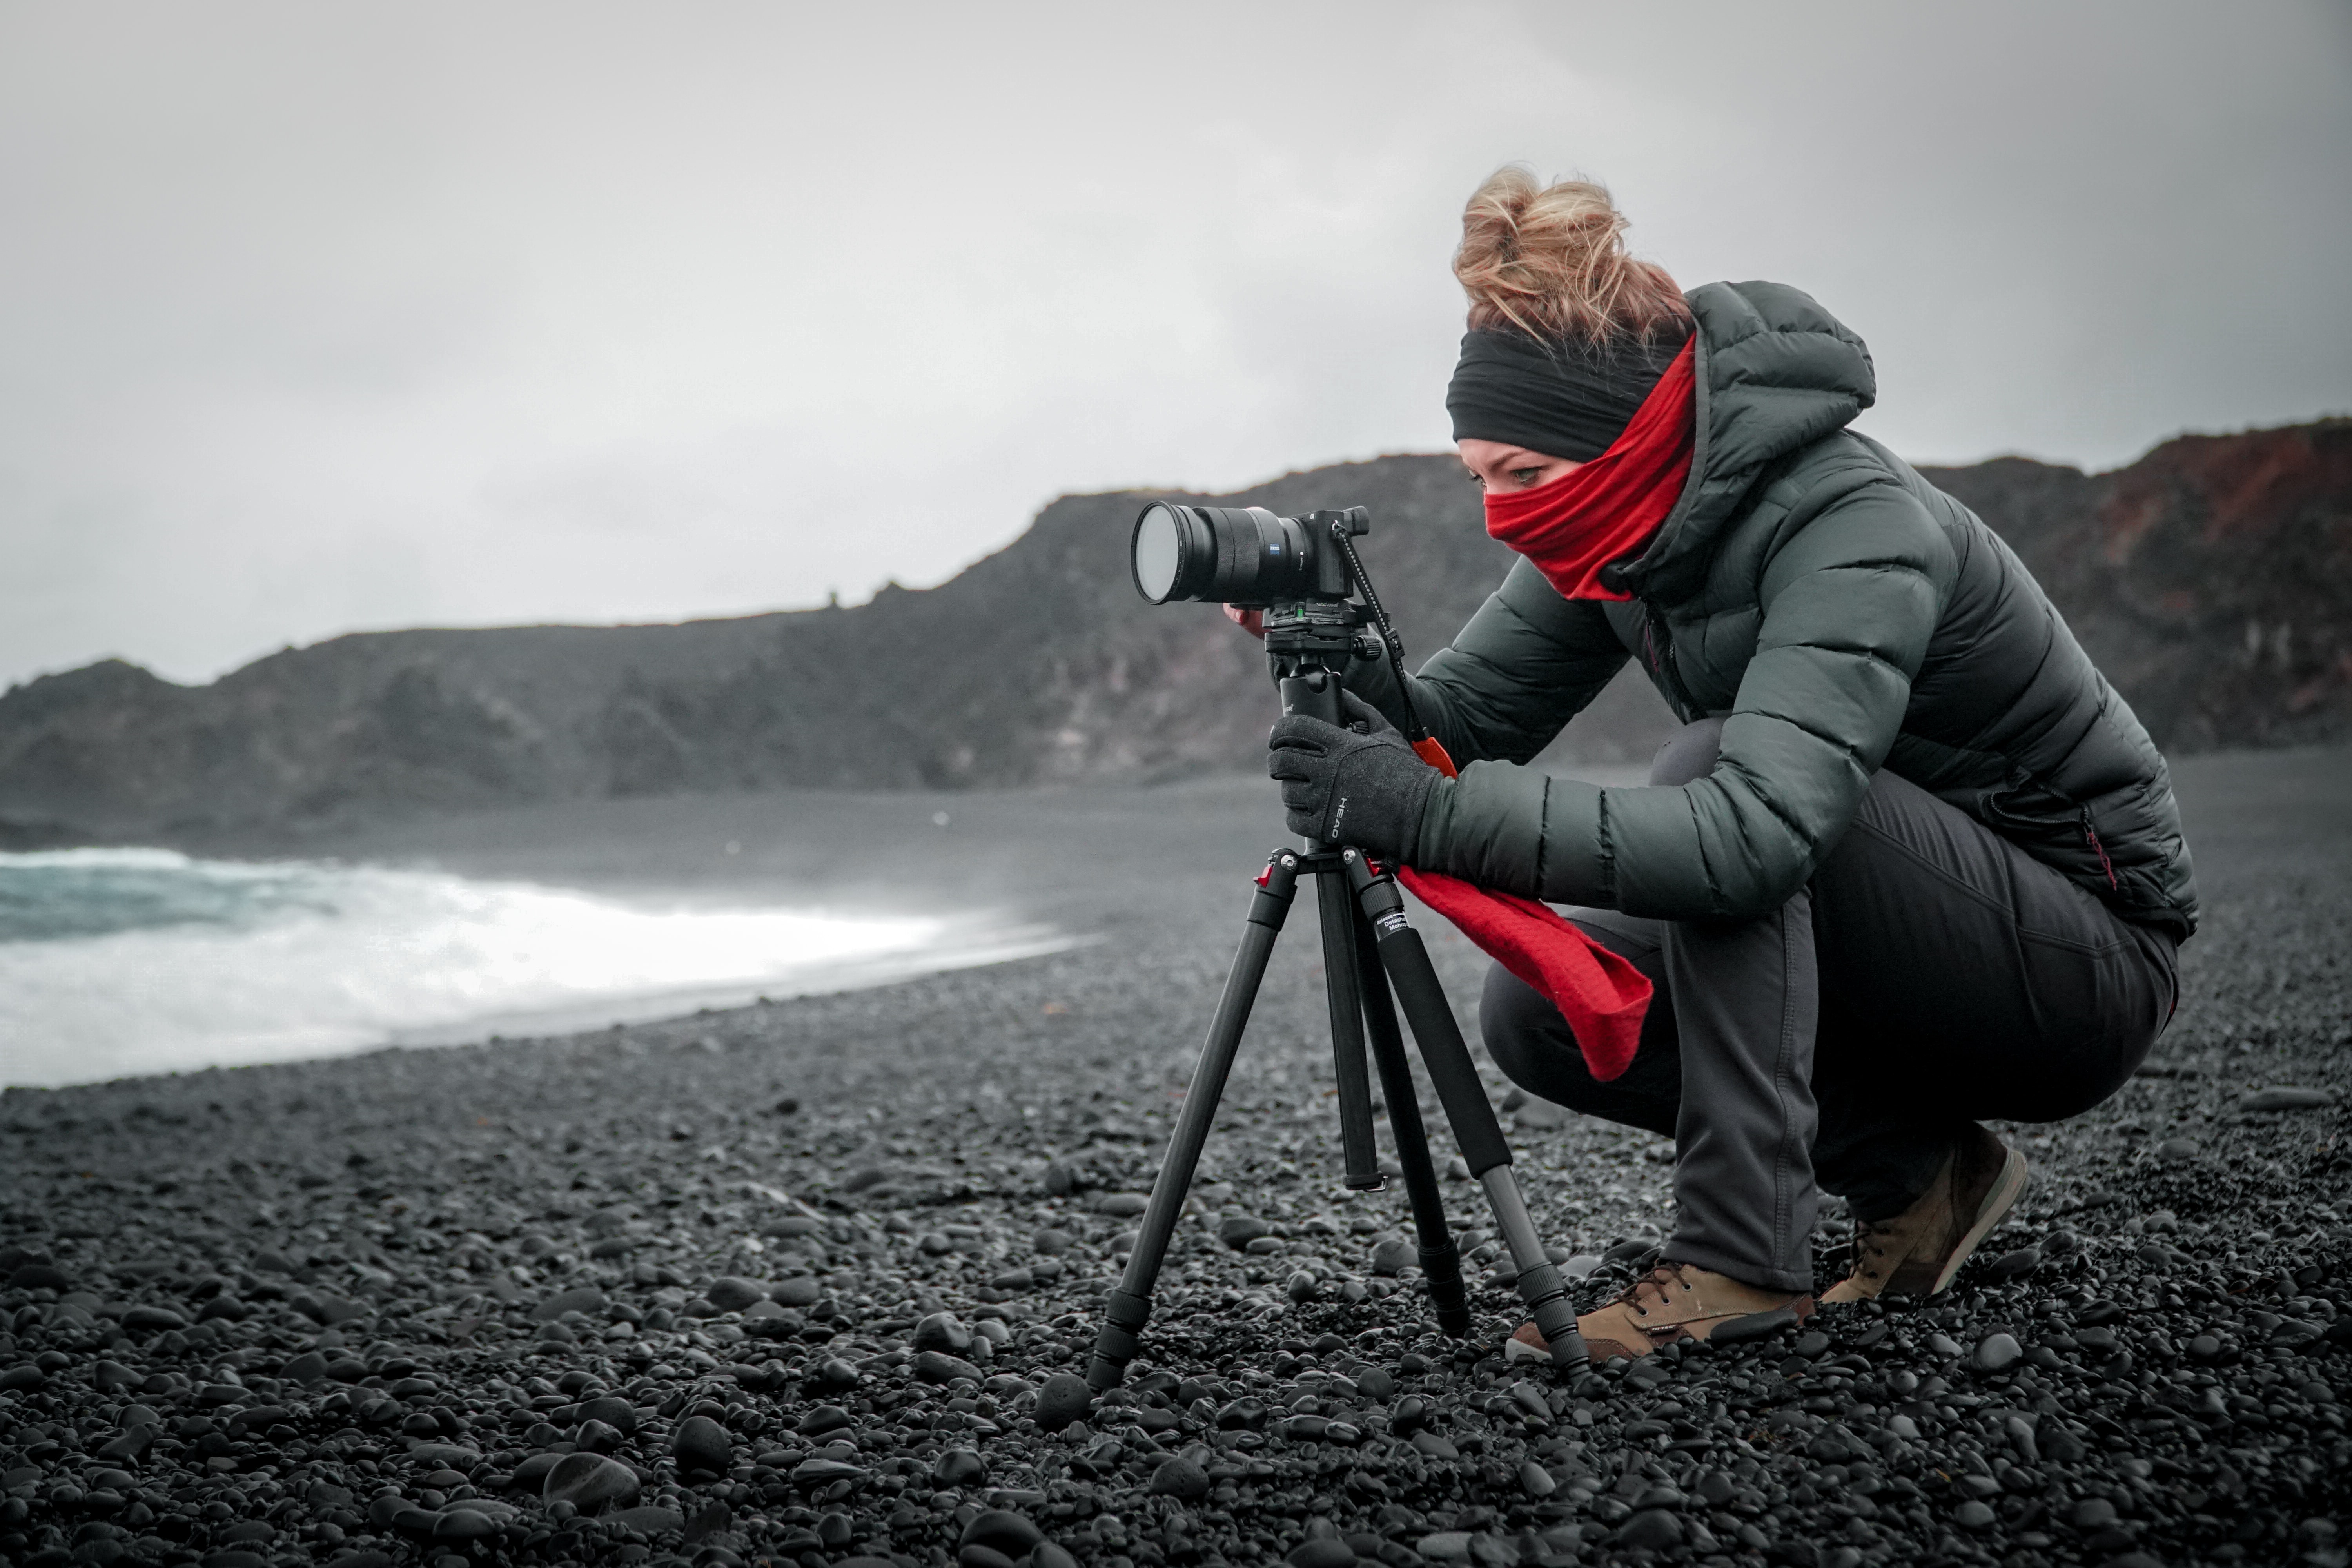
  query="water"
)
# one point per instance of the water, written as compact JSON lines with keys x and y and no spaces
{"x":116,"y":962}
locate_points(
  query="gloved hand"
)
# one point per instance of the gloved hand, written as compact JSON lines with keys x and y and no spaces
{"x":1344,"y":787}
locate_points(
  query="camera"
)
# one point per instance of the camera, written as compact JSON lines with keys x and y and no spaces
{"x":1245,"y":556}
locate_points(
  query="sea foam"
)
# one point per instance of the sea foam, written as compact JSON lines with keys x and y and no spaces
{"x":116,"y":962}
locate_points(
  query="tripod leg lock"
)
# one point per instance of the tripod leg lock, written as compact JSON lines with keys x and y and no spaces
{"x":1545,"y":1292}
{"x":1124,"y":1316}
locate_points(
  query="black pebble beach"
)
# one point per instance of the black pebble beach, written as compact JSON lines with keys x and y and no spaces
{"x":808,"y":1283}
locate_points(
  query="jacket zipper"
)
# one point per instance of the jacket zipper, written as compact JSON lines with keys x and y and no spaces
{"x":2091,"y":837}
{"x":1658,"y":643}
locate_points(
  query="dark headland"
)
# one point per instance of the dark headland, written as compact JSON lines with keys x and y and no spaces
{"x":803,"y":1282}
{"x":2212,"y":581}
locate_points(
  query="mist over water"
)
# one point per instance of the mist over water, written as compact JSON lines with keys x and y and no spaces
{"x":117,"y":961}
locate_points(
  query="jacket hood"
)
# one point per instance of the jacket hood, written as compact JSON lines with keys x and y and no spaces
{"x":1775,"y":373}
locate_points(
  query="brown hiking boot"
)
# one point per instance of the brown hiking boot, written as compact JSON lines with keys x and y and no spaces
{"x":1916,"y":1252}
{"x":1673,"y":1301}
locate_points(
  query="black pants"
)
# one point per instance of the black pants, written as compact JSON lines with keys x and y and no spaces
{"x":1930,"y":974}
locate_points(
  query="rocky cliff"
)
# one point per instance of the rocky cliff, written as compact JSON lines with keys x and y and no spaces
{"x":2212,"y":581}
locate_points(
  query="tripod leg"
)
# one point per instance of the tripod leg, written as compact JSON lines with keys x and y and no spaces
{"x":1342,"y":973}
{"x":1476,"y":1129}
{"x":1440,"y":1260}
{"x":1130,"y":1305}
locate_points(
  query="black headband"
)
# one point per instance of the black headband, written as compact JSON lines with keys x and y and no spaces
{"x":1563,"y":399}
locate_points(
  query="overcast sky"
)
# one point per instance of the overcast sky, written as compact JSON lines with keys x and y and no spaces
{"x":315,"y":318}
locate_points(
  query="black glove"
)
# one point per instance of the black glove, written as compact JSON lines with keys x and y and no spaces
{"x":1342,"y":787}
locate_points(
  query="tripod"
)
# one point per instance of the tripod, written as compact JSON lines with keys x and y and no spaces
{"x":1368,"y":947}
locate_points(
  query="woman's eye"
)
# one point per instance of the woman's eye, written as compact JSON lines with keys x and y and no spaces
{"x":1525,"y":476}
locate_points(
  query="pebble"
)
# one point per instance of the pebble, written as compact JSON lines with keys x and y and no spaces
{"x":585,"y":1298}
{"x":2015,"y":1265}
{"x":1240,"y":1229}
{"x":732,"y":1294}
{"x":701,"y":1443}
{"x":2175,"y":1151}
{"x":1323,"y":1430}
{"x":1997,"y":1352}
{"x":942,"y":1332}
{"x":958,"y":1468}
{"x":932,"y":1366}
{"x":1002,"y":1530}
{"x":590,"y":1482}
{"x":833,"y":1376}
{"x":2270,"y":1100}
{"x":1651,"y":1530}
{"x":1066,"y":1398}
{"x":1180,"y":1477}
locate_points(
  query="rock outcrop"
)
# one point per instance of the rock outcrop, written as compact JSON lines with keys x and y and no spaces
{"x":2211,"y":580}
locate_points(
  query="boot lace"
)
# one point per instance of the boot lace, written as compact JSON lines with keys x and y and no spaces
{"x":1655,"y":1289}
{"x":1875,"y":1250}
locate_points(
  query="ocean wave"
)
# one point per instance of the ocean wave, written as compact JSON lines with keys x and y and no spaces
{"x":115,"y":962}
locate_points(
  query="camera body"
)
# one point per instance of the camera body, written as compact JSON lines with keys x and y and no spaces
{"x":1299,"y":571}
{"x":1245,"y":556}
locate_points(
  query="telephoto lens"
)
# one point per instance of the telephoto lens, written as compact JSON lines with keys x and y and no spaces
{"x":1238,"y":555}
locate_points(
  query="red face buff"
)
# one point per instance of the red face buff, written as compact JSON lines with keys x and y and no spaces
{"x":1610,"y":509}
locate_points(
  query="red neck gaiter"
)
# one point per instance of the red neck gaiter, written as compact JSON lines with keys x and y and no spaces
{"x":1611,"y":508}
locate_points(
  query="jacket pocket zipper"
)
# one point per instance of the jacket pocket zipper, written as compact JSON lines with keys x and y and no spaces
{"x":2091,"y":837}
{"x":1659,"y":644}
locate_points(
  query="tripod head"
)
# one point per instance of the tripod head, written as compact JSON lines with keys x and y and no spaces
{"x":1309,"y":644}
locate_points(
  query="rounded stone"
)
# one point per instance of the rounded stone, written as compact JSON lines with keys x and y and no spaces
{"x":731,"y":1294}
{"x":1002,"y":1530}
{"x":590,"y":1482}
{"x":701,"y":1443}
{"x":612,"y":1410}
{"x":942,"y":1332}
{"x":959,"y":1467}
{"x":2015,"y":1265}
{"x":464,"y":1524}
{"x":1181,"y":1479}
{"x":932,"y":1366}
{"x":1973,"y":1515}
{"x":833,"y":1376}
{"x":1240,"y":1229}
{"x":1997,"y":1352}
{"x":1652,"y":1528}
{"x":1066,"y":1398}
{"x":824,"y":1418}
{"x":1325,"y":1553}
{"x":151,"y":1320}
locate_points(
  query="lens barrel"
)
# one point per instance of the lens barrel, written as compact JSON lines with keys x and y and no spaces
{"x":1239,"y":555}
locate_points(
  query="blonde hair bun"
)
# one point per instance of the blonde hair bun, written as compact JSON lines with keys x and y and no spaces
{"x":1550,"y":260}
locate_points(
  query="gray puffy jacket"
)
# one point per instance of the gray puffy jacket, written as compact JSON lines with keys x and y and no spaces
{"x":1841,"y":614}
